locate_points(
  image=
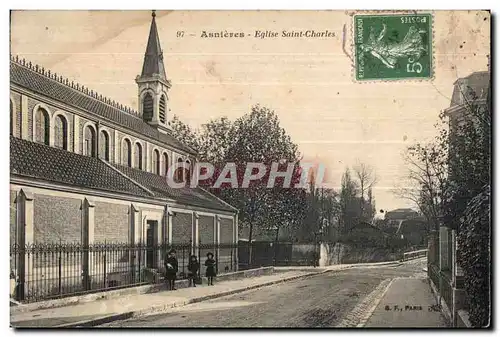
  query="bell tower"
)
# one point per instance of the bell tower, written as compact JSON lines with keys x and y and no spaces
{"x":153,"y":84}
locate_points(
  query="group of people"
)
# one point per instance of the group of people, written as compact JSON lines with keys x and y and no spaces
{"x":172,"y":268}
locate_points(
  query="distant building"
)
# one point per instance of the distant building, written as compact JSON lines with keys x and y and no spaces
{"x":401,"y":214}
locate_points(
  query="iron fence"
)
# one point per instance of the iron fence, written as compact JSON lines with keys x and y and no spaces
{"x":48,"y":271}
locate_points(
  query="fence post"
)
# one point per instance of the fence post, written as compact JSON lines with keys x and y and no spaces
{"x":21,"y":272}
{"x":25,"y":230}
{"x":60,"y":267}
{"x":87,"y":239}
{"x":184,"y":258}
{"x":105,"y":262}
{"x":217,"y":252}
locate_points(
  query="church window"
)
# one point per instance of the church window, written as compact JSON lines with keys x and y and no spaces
{"x":42,"y":126}
{"x":127,"y":153}
{"x":61,"y":132}
{"x":89,"y":141}
{"x":147,"y":107}
{"x":163,"y":106}
{"x":104,"y":145}
{"x":138,"y":156}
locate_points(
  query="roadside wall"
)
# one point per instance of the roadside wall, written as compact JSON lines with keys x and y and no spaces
{"x":339,"y":253}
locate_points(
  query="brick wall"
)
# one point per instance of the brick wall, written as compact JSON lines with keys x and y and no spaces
{"x":57,"y":218}
{"x":81,"y":125}
{"x":16,"y":99}
{"x":111,"y":222}
{"x":206,"y":229}
{"x":31,"y":105}
{"x":226,"y":255}
{"x":226,"y":231}
{"x":181,"y":228}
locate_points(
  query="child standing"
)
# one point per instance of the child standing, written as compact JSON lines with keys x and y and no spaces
{"x":171,"y":269}
{"x":210,"y":264}
{"x":193,"y":268}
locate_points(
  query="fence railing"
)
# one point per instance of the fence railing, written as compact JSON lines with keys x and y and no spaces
{"x":414,"y":254}
{"x":48,"y":271}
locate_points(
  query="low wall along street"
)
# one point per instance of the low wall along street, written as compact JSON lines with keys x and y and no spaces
{"x":340,"y":253}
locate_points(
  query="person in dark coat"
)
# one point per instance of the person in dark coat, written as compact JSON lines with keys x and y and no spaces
{"x":193,"y":268}
{"x":171,"y":269}
{"x":210,"y":264}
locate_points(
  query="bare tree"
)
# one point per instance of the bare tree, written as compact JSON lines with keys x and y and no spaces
{"x":366,"y":180}
{"x":426,"y":181}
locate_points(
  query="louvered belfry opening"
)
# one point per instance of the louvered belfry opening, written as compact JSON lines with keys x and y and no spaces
{"x":147,"y":107}
{"x":163,"y":106}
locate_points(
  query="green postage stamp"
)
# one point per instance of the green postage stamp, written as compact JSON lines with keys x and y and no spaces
{"x":393,"y":46}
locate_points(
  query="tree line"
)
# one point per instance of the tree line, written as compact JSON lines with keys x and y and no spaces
{"x":299,"y":214}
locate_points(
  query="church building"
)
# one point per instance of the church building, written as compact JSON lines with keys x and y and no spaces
{"x":85,"y":169}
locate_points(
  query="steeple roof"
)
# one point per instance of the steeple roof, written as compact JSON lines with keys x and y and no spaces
{"x":153,"y":59}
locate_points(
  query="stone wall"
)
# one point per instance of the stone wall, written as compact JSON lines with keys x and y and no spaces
{"x":340,"y":253}
{"x":181,"y":228}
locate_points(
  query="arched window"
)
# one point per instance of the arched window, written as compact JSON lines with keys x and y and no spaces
{"x":11,"y":119}
{"x":104,"y":145}
{"x":138,"y":156}
{"x":61,"y":132}
{"x":179,"y":172}
{"x":165,"y":163}
{"x":163,"y":107}
{"x":188,"y":172}
{"x":127,"y":153}
{"x":42,"y":126}
{"x":156,"y":162}
{"x":147,"y":107}
{"x":89,"y":141}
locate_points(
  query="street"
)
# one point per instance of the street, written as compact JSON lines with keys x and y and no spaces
{"x":318,"y":301}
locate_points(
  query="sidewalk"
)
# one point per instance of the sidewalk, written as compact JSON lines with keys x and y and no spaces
{"x":103,"y":311}
{"x":106,"y":310}
{"x":411,"y":305}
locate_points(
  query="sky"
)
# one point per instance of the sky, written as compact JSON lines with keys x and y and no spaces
{"x":307,"y":82}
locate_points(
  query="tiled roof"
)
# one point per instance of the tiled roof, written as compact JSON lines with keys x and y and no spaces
{"x":50,"y":164}
{"x":35,"y":81}
{"x":30,"y":159}
{"x":159,"y":186}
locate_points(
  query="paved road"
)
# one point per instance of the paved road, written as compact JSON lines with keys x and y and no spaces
{"x":319,"y":301}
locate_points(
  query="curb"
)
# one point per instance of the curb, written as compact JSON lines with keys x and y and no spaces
{"x":164,"y":307}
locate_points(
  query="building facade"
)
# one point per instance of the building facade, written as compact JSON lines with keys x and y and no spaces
{"x":85,"y":169}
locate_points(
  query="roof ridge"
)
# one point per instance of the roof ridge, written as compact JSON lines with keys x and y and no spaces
{"x":74,"y":85}
{"x":127,"y":177}
{"x":23,"y":72}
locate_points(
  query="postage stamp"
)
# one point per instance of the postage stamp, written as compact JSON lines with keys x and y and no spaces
{"x":393,"y":47}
